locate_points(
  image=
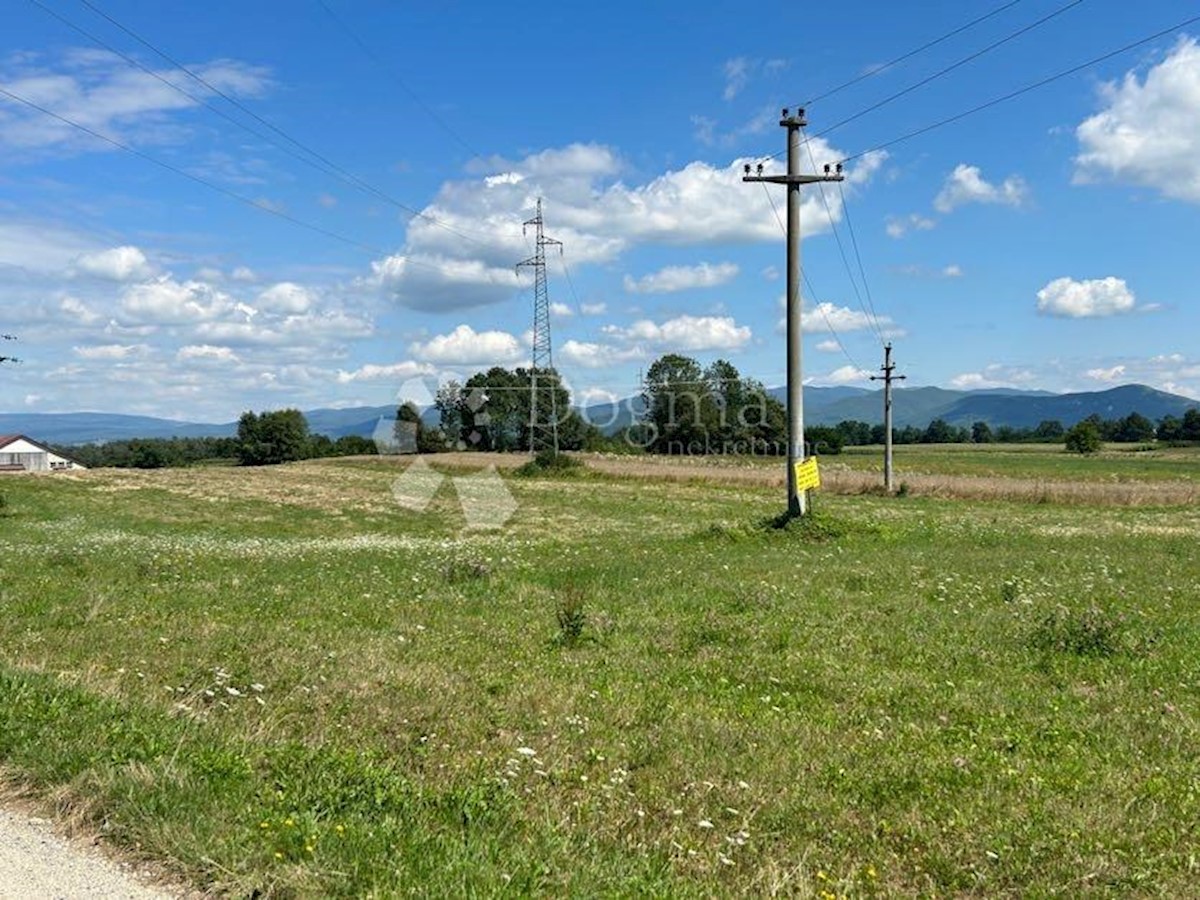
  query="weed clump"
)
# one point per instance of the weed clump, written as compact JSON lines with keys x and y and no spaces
{"x":458,"y":571}
{"x":815,"y":527}
{"x":547,"y":462}
{"x":4,"y":508}
{"x":571,"y":617}
{"x":1090,"y":632}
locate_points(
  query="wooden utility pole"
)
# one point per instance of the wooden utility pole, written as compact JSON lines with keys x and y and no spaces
{"x":887,"y":378}
{"x":797,"y":499}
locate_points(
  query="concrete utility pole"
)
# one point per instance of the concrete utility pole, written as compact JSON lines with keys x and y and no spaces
{"x":887,"y":378}
{"x":797,"y":500}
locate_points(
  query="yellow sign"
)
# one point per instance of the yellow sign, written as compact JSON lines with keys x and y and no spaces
{"x":807,"y":476}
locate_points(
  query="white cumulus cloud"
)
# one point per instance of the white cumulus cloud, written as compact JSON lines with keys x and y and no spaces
{"x":681,"y":278}
{"x":286,"y":297}
{"x":1095,"y":298}
{"x":466,"y":346}
{"x":898,"y":226}
{"x":460,"y":251}
{"x":1113,"y":373}
{"x":966,"y":184}
{"x":398,"y":371}
{"x":116,"y":264}
{"x":685,"y":333}
{"x":1149,"y":130}
{"x":111,"y":351}
{"x":206,"y":352}
{"x":844,"y":375}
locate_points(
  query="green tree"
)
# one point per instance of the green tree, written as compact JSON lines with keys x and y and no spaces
{"x":1190,"y":426}
{"x":1133,"y":428}
{"x":272,"y":437}
{"x":1049,"y":430}
{"x":409,"y":429}
{"x":857,"y":434}
{"x":938,"y":432}
{"x":981,"y":433}
{"x":1169,"y":429}
{"x":1084,"y":437}
{"x":449,"y":404}
{"x":675,"y":398}
{"x":354,"y":445}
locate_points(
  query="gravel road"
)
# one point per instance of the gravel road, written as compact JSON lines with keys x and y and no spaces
{"x":38,"y":864}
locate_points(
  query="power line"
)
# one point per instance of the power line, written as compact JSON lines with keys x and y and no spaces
{"x":362,"y":45}
{"x":911,"y":53}
{"x":811,"y":290}
{"x":841,"y":248}
{"x":861,"y":268}
{"x":192,"y":177}
{"x":950,"y":68}
{"x":331,"y":167}
{"x":996,"y":101}
{"x":307,"y":160}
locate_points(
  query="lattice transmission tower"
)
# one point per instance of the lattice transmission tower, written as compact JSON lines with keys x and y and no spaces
{"x":543,"y":410}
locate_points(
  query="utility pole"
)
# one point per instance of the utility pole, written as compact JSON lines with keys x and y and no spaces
{"x":797,"y":500}
{"x":887,"y":378}
{"x":543,"y":430}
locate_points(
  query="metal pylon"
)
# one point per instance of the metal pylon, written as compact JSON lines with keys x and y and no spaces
{"x":543,"y":410}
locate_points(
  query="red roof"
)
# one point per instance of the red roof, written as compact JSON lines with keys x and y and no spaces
{"x":6,"y":439}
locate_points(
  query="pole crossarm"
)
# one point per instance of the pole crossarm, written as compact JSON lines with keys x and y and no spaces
{"x":793,"y":179}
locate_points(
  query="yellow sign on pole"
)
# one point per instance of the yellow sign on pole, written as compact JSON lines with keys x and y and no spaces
{"x":807,"y":476}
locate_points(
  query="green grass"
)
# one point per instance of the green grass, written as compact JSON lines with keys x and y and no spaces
{"x":1116,"y":462}
{"x":279,"y":680}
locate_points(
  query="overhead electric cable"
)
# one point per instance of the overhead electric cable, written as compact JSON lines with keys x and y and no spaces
{"x":841,"y":247}
{"x":861,"y":268}
{"x":871,"y":73}
{"x":950,"y":68}
{"x":366,"y":49}
{"x":941,"y":72}
{"x":190,"y":176}
{"x":811,"y":290}
{"x":1012,"y":95}
{"x":333,"y":168}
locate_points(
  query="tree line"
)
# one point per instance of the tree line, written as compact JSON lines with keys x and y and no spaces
{"x":685,"y":409}
{"x":262,"y":439}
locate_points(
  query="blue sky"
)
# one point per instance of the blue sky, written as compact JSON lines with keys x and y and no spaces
{"x":1045,"y":243}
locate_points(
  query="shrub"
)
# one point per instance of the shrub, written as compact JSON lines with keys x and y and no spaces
{"x":547,"y":462}
{"x":1083,"y":438}
{"x":1088,"y":632}
{"x":457,"y":571}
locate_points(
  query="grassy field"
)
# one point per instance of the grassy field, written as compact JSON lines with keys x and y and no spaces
{"x":280,"y":680}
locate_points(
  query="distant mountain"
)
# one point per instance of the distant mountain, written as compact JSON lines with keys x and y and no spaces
{"x":1028,"y":411}
{"x":823,"y":406}
{"x":1019,"y":409}
{"x":89,"y":427}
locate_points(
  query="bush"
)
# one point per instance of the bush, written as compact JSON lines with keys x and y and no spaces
{"x":1088,"y":632}
{"x":547,"y":462}
{"x":1083,"y":438}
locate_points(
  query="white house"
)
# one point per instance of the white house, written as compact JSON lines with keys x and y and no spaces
{"x":21,"y":454}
